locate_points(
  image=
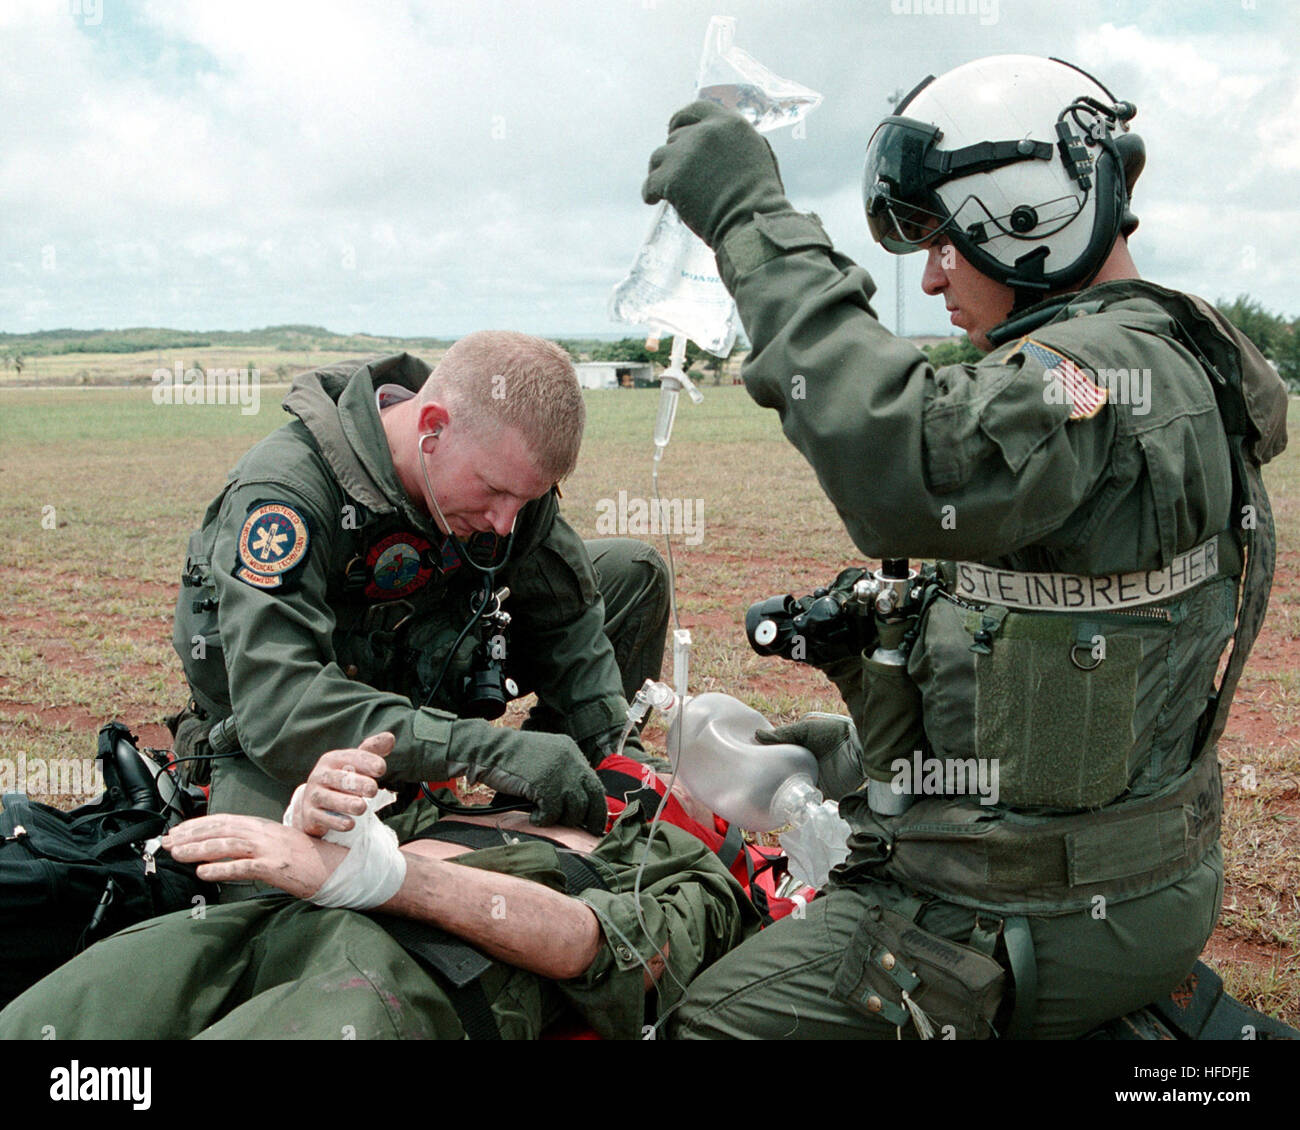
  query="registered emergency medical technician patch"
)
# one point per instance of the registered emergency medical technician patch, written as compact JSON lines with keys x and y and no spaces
{"x":1066,"y":383}
{"x":272,"y":542}
{"x":397,"y":565}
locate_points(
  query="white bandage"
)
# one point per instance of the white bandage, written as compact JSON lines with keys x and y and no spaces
{"x":373,"y":869}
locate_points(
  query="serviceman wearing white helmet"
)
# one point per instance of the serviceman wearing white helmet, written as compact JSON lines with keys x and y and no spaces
{"x":1091,"y":489}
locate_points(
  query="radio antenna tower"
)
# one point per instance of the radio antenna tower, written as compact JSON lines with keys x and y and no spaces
{"x":894,"y":99}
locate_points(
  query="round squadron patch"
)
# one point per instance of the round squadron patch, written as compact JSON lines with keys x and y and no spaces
{"x":272,"y":542}
{"x":397,"y":565}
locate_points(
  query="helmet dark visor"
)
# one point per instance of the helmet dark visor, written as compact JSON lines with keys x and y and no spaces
{"x":904,"y":167}
{"x":902,"y":211}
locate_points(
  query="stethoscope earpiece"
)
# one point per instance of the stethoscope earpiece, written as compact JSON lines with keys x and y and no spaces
{"x":488,"y":574}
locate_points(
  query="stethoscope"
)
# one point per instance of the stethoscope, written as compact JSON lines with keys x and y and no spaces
{"x":488,"y":573}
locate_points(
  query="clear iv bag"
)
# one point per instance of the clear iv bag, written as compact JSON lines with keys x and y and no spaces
{"x":674,"y":286}
{"x":735,"y":79}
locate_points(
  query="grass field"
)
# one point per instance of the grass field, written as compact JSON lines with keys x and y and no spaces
{"x":100,"y":488}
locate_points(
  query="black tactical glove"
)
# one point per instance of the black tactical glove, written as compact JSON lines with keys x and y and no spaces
{"x":547,"y":769}
{"x":716,"y":170}
{"x":832,"y":739}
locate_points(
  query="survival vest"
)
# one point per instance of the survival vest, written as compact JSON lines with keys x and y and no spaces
{"x":954,"y":848}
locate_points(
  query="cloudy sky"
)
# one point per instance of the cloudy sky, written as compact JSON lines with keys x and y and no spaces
{"x":435,"y":167}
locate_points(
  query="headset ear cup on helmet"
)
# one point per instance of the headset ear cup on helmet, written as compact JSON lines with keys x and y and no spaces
{"x":1133,"y":152}
{"x":1112,"y":199}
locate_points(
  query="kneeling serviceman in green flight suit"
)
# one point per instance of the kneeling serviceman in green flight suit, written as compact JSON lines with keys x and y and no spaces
{"x":352,"y":578}
{"x":1091,"y":488}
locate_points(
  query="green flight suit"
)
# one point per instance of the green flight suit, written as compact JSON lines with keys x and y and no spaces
{"x":275,"y":967}
{"x":1099,"y":899}
{"x":345,"y":631}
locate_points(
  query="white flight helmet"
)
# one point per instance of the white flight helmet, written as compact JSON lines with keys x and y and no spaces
{"x":1024,"y":163}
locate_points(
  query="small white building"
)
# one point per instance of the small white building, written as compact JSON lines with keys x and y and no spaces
{"x":614,"y":374}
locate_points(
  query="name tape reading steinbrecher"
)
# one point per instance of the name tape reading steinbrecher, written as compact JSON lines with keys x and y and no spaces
{"x":1070,"y":592}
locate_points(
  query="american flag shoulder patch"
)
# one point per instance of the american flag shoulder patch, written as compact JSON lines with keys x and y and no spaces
{"x":1064,"y":382}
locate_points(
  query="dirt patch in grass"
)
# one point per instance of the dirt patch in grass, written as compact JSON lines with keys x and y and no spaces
{"x":78,"y":719}
{"x":1224,"y":950}
{"x":1256,"y":945}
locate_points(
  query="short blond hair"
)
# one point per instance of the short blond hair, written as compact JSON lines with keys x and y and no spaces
{"x":498,"y":378}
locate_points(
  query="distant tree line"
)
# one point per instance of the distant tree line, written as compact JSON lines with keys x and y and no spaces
{"x":1277,"y":337}
{"x":952,"y":353}
{"x":286,"y":339}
